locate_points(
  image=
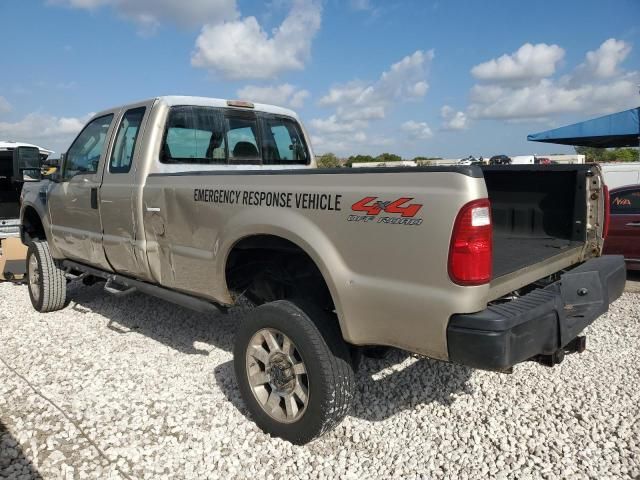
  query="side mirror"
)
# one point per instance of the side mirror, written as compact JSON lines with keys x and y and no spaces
{"x":26,"y":164}
{"x":31,"y":175}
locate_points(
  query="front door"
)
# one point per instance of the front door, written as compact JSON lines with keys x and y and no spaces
{"x":73,"y":201}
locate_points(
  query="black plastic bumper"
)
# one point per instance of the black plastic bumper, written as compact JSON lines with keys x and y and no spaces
{"x":539,"y":323}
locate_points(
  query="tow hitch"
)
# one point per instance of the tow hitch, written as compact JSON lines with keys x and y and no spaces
{"x":577,"y":345}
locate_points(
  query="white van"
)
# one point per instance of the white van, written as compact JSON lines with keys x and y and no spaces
{"x":621,"y":174}
{"x":523,"y":160}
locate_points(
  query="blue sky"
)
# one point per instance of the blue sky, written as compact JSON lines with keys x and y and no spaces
{"x":437,"y":78}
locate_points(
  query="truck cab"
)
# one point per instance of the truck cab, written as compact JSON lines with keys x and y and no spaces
{"x":19,"y":163}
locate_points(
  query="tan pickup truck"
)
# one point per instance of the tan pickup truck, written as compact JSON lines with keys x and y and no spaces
{"x":208,"y":203}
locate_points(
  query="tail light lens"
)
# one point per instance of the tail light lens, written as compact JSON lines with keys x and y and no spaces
{"x":471,"y":249}
{"x":607,"y":211}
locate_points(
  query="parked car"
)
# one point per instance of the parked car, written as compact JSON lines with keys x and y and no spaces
{"x":499,"y":160}
{"x":623,"y":237}
{"x":542,"y":161}
{"x":225,"y":206}
{"x":470,"y":160}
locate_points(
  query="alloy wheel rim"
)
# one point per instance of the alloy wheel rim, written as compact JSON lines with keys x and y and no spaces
{"x":34,"y":277}
{"x":277,"y":375}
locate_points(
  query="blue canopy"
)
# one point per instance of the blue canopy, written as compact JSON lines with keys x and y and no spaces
{"x":620,"y":129}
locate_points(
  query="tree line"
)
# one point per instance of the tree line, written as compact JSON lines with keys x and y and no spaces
{"x":597,"y":155}
{"x":604,"y":155}
{"x":330,"y":160}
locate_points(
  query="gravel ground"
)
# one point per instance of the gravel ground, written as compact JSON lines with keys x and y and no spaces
{"x":138,"y":388}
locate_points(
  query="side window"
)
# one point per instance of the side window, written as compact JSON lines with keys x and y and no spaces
{"x":626,"y":202}
{"x":194,"y":135}
{"x":242,"y":138}
{"x":126,"y":138}
{"x":84,"y":154}
{"x":284,"y":142}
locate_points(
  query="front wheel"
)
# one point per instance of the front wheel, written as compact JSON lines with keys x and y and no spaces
{"x":293,"y":370}
{"x":47,"y":282}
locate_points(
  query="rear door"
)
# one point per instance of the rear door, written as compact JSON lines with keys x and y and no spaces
{"x":624,"y":227}
{"x":118,"y":192}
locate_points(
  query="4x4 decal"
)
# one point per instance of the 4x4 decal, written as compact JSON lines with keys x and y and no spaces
{"x":373,"y":206}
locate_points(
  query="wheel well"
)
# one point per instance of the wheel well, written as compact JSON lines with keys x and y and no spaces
{"x":32,"y":227}
{"x":264,"y":268}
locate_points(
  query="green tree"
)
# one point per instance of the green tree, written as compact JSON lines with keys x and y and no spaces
{"x":603,"y":155}
{"x":328,"y":160}
{"x":624,"y":154}
{"x":359,"y":159}
{"x":593,"y":154}
{"x":388,"y":157}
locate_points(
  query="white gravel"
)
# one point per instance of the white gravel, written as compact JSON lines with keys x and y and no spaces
{"x":139,"y":388}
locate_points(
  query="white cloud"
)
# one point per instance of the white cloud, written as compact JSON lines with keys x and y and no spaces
{"x":149,"y":14}
{"x":242,"y":49}
{"x":528,"y":63}
{"x":333,"y":125}
{"x":452,"y":120}
{"x":419,"y":89}
{"x":358,"y":103}
{"x":282,"y":95}
{"x":417,"y":130}
{"x":44,"y":130}
{"x":605,"y":61}
{"x":5,"y":106}
{"x":598,"y":85}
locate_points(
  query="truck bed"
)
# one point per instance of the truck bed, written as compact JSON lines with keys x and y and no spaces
{"x":538,"y":213}
{"x":515,"y":253}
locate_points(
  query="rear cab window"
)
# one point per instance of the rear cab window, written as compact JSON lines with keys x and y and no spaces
{"x":126,"y":139}
{"x":222,"y":136}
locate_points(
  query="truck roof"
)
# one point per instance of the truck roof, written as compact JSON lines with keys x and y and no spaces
{"x":10,"y":145}
{"x":172,"y":100}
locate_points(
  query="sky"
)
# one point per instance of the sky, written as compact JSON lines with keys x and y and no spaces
{"x":445,"y":78}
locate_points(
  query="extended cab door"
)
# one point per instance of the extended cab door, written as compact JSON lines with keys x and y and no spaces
{"x":73,"y":200}
{"x":121,"y":186}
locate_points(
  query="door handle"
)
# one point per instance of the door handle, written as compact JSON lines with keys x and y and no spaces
{"x":633,"y":224}
{"x":94,"y":198}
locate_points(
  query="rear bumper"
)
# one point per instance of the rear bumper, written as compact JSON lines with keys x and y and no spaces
{"x":542,"y":322}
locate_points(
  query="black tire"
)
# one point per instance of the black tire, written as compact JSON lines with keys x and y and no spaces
{"x":327,"y":357}
{"x":50,"y":280}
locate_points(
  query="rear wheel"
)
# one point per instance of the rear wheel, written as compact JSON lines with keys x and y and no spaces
{"x":293,"y":370}
{"x":47,"y":282}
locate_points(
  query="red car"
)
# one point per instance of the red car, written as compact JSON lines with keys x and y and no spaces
{"x":624,"y":225}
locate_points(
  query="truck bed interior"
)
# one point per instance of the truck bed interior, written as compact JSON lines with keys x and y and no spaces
{"x":9,"y":192}
{"x":538,"y":212}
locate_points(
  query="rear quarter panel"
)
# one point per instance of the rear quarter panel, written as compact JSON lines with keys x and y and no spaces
{"x":389,"y":281}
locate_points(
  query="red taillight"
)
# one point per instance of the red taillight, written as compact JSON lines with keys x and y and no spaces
{"x":471,"y":249}
{"x":607,"y":211}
